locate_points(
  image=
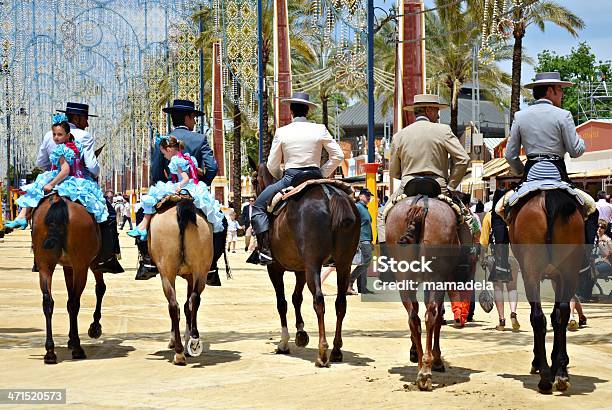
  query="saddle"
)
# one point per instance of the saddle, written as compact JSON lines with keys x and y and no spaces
{"x":423,"y":185}
{"x":171,"y":200}
{"x":280,"y":200}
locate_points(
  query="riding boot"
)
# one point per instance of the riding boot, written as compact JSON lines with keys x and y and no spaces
{"x":219,"y":239}
{"x":263,"y":244}
{"x":146,"y":267}
{"x":107,"y":259}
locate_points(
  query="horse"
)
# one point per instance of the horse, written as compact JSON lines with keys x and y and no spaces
{"x":305,"y":234}
{"x":181,"y":244}
{"x":64,"y":233}
{"x":413,"y":222}
{"x":541,"y":220}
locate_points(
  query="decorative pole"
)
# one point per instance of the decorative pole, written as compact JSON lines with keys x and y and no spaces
{"x":260,"y":74}
{"x":371,"y":167}
{"x":282,"y":63}
{"x":220,"y":183}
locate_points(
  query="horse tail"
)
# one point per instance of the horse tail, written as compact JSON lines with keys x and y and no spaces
{"x":415,"y":219}
{"x":558,"y":204}
{"x":185,"y":214}
{"x":342,"y":213}
{"x":56,"y":221}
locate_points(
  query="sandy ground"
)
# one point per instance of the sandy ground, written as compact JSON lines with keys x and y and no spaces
{"x":130,"y":365}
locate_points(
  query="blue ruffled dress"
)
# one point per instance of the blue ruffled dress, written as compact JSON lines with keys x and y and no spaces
{"x":82,"y":190}
{"x":203,"y":200}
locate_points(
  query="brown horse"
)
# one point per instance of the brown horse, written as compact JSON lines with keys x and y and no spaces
{"x":431,"y":234}
{"x":547,"y":237}
{"x":181,"y":243}
{"x":306,"y":233}
{"x":64,"y":233}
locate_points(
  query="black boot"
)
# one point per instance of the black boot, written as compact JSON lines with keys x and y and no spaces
{"x":263,"y":245}
{"x":107,"y":259}
{"x":146,"y":267}
{"x":213,"y":278}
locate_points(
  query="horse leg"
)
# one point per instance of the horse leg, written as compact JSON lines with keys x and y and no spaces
{"x":95,"y":329}
{"x":414,"y":322}
{"x":343,"y":278}
{"x":78,"y":282}
{"x":187,"y":310}
{"x":538,"y":323}
{"x":174,"y":311}
{"x":424,"y":376}
{"x":194,"y":346}
{"x":44,"y":276}
{"x":301,"y":337}
{"x":559,"y":357}
{"x":68,"y":278}
{"x":313,"y":278}
{"x":437,"y":364}
{"x":276,"y":277}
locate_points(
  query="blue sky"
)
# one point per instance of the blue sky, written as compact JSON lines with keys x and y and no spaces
{"x":595,"y":13}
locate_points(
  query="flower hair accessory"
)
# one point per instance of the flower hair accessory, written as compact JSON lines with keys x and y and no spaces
{"x":160,"y":138}
{"x":59,"y":118}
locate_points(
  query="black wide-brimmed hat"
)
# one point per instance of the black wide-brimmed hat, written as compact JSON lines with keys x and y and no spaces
{"x":77,"y":109}
{"x":185,"y":106}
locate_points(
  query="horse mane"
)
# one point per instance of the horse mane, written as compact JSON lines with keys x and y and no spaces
{"x":264,"y":173}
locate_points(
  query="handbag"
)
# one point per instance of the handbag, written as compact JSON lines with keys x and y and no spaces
{"x":358,"y":257}
{"x":486,"y":297}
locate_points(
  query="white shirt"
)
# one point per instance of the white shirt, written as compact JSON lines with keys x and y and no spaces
{"x":299,"y":145}
{"x":605,"y":210}
{"x":89,"y":154}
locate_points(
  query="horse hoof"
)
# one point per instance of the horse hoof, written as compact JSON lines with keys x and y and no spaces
{"x":78,"y":353}
{"x":534,"y":370}
{"x":50,"y":358}
{"x":179,"y":359}
{"x":336,"y":356}
{"x":438,"y":367}
{"x":322,"y":362}
{"x":561,"y":383}
{"x":95,"y":330}
{"x":301,"y":338}
{"x":545,"y":387}
{"x":282,"y":351}
{"x":423,"y":382}
{"x":194,"y":347}
{"x":414,"y":357}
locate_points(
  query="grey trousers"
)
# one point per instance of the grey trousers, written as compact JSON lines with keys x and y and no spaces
{"x":366,"y":254}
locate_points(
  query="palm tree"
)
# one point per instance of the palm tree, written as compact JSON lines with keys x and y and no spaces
{"x":538,"y":13}
{"x":450,"y":58}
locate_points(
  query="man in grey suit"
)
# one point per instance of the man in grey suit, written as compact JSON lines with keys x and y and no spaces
{"x":184,"y":114}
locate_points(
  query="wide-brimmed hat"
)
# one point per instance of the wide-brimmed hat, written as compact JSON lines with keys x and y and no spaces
{"x":425,"y":100}
{"x":550,"y":78}
{"x":77,"y":109}
{"x":185,"y":106}
{"x":299,"y":98}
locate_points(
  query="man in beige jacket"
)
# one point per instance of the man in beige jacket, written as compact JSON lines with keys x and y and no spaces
{"x":296,"y":146}
{"x":423,"y":148}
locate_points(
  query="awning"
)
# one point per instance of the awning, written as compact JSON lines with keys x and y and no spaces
{"x":598,"y":173}
{"x":498,"y":167}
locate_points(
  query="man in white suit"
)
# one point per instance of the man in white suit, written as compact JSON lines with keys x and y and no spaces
{"x":298,"y":146}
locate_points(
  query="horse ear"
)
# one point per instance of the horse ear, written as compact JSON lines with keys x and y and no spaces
{"x":252,"y":164}
{"x":99,"y":150}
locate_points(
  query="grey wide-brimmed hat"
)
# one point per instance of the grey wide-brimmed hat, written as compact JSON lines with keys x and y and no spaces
{"x":300,"y":98}
{"x":425,"y":100}
{"x":550,"y":78}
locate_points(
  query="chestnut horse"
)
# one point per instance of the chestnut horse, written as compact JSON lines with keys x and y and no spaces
{"x":64,"y":233}
{"x":307,"y":232}
{"x":547,"y":237}
{"x":409,"y":226}
{"x":181,"y":244}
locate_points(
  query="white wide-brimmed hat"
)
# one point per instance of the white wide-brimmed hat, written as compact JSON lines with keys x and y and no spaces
{"x":299,"y":98}
{"x":550,"y":78}
{"x":425,"y":100}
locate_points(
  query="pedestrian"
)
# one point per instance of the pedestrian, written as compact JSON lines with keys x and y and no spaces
{"x":365,"y":243}
{"x":126,"y":213}
{"x":245,"y":221}
{"x":232,"y":232}
{"x":604,"y":208}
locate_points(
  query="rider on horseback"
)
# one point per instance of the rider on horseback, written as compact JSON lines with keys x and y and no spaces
{"x":298,"y":145}
{"x":423,"y":148}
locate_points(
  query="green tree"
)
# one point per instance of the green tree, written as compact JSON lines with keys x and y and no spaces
{"x":579,"y":66}
{"x":539,"y":13}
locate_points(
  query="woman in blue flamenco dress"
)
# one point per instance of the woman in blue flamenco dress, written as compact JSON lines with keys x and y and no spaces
{"x":66,"y":178}
{"x":184,"y":172}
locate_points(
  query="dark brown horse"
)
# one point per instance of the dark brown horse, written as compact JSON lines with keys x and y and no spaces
{"x":413,"y":233}
{"x":547,"y":237}
{"x":306,"y":233}
{"x":64,"y":233}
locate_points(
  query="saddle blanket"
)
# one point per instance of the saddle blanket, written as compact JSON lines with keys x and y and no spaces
{"x":283,"y":195}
